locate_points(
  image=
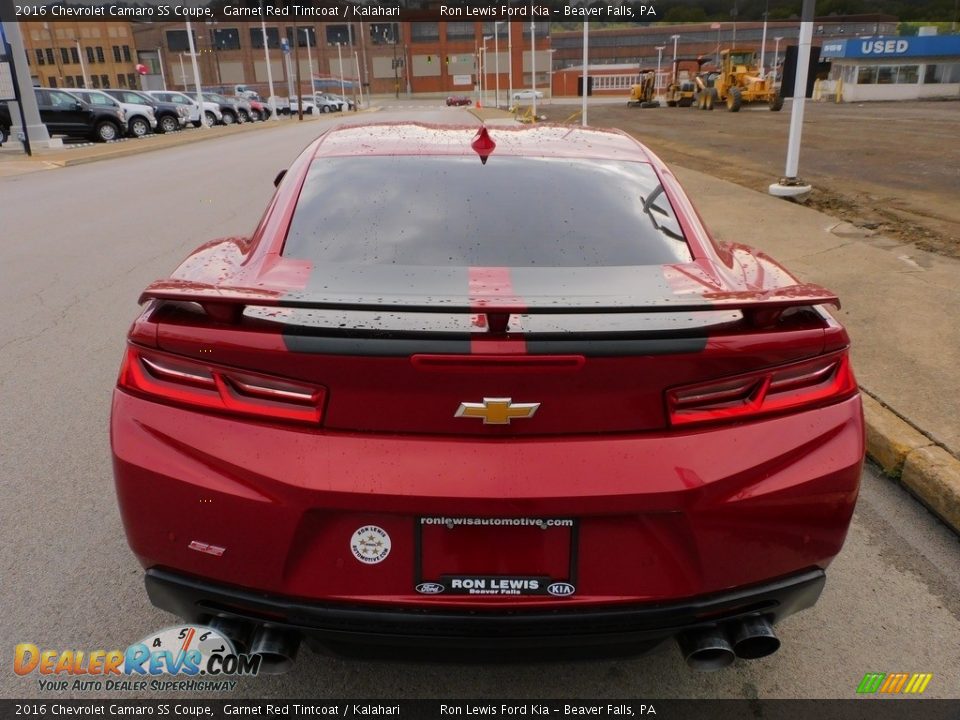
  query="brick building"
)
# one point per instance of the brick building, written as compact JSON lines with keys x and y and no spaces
{"x":420,"y":57}
{"x":69,"y":54}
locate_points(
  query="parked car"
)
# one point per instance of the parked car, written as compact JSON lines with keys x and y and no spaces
{"x":66,"y":114}
{"x":170,"y":116}
{"x":350,"y":104}
{"x":282,"y":104}
{"x":553,"y":431}
{"x":259,"y":109}
{"x":309,"y":106}
{"x":456,"y":100}
{"x":141,"y":118}
{"x":211,"y":110}
{"x":527,"y":95}
{"x":337,"y":102}
{"x":229,"y":111}
{"x":244,"y":108}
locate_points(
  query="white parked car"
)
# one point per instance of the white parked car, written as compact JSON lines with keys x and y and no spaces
{"x":141,"y":119}
{"x":211,"y":110}
{"x":527,"y":95}
{"x":327,"y":103}
{"x":309,"y":106}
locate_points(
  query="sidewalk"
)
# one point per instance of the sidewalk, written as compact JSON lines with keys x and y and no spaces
{"x":901,"y":307}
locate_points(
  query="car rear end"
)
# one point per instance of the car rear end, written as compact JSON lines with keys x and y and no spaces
{"x":552,"y":417}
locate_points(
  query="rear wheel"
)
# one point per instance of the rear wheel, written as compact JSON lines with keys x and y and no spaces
{"x":710,"y":99}
{"x":229,"y":118}
{"x":776,"y":102}
{"x":169,"y":124}
{"x":257,"y":116}
{"x":244,"y":116}
{"x":106,"y":131}
{"x":325,"y":108}
{"x":209,"y":119}
{"x":139,"y":127}
{"x":734,"y":100}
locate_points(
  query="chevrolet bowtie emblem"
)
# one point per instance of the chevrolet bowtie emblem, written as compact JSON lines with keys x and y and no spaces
{"x":497,"y":411}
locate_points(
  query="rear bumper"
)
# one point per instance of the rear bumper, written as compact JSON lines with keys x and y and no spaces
{"x":347,"y":625}
{"x":659,"y":517}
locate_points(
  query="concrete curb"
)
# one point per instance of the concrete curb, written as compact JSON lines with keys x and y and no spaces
{"x":925,"y":469}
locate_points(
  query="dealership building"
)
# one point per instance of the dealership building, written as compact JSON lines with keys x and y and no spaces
{"x":893,"y":68}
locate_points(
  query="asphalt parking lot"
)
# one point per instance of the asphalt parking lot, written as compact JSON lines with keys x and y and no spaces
{"x":69,"y":281}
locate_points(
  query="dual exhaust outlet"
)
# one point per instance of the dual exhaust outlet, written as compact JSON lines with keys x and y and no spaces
{"x":277,"y":648}
{"x":709,"y":648}
{"x":715,"y":647}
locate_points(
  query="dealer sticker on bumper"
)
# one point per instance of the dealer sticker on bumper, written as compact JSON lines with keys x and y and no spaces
{"x":497,"y":585}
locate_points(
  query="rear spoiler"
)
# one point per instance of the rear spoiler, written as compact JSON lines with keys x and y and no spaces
{"x":227,"y":303}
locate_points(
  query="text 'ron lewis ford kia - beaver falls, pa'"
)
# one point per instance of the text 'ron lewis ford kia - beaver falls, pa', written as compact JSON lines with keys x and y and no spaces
{"x":432,"y":403}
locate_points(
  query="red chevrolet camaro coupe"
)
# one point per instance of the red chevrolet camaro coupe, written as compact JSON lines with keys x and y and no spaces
{"x":494,"y":389}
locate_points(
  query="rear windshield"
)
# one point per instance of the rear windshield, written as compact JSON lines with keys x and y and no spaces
{"x":511,"y":212}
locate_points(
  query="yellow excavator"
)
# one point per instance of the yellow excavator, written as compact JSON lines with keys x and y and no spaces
{"x":738,"y":82}
{"x":641,"y":94}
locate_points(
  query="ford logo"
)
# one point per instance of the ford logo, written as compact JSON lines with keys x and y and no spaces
{"x":430,"y":588}
{"x":561,"y":589}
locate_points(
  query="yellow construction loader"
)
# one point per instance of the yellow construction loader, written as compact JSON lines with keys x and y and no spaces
{"x":641,"y":94}
{"x":738,"y":82}
{"x":683,"y":87}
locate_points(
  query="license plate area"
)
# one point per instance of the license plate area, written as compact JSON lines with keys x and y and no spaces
{"x":496,"y":556}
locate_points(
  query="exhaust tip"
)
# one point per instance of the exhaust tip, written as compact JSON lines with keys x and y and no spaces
{"x":276,"y":648}
{"x":754,"y":638}
{"x":235,"y":630}
{"x":706,"y":650}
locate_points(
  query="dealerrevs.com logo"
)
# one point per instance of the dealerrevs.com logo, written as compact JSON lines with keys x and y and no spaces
{"x":199,"y":657}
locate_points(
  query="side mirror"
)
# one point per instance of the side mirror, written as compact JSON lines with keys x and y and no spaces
{"x":279,"y":177}
{"x":79,"y":105}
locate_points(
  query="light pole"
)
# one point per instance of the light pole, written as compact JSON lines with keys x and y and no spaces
{"x":656,"y":90}
{"x":551,"y":51}
{"x":163,"y":74}
{"x":496,"y":61}
{"x":586,"y":79}
{"x":510,"y":63}
{"x":183,"y":73}
{"x":533,"y":60}
{"x":340,"y":65}
{"x":196,"y":72}
{"x":266,"y":56}
{"x":486,"y":60}
{"x":776,"y":57}
{"x":83,"y":67}
{"x":763,"y":42}
{"x":313,"y":86}
{"x":356,"y":60}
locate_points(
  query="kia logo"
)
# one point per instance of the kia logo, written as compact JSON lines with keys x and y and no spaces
{"x":561,"y":589}
{"x":429,"y":588}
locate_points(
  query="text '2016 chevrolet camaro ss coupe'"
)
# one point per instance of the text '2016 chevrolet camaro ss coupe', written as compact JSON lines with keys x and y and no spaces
{"x":490,"y":389}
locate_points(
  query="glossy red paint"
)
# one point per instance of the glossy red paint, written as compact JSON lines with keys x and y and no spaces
{"x":665,"y":510}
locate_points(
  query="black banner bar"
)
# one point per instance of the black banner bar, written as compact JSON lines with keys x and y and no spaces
{"x":523,"y":11}
{"x":865,"y":708}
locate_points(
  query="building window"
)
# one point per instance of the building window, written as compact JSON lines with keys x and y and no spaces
{"x":132,"y":80}
{"x":886,"y":74}
{"x":75,"y":55}
{"x":50,"y":60}
{"x":177,"y":40}
{"x":64,"y":56}
{"x":80,"y":81}
{"x":338,"y":34}
{"x":53,"y":82}
{"x":121,"y":80}
{"x":908,"y":75}
{"x":942,"y":73}
{"x":424,"y":32}
{"x":302,"y":32}
{"x":542,"y":30}
{"x":227,"y":38}
{"x":40,"y":60}
{"x":126,"y":54}
{"x":95,"y":80}
{"x":90,"y":55}
{"x":460,"y":31}
{"x":256,"y":38}
{"x":116,"y":53}
{"x":384,"y":33}
{"x":100,"y":56}
{"x":69,"y":79}
{"x":866,"y":75}
{"x":105,"y":81}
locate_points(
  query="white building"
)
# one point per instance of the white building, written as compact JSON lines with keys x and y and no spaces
{"x":894,"y":68}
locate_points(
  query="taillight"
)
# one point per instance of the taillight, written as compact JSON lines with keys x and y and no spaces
{"x":188,"y":382}
{"x":796,"y":386}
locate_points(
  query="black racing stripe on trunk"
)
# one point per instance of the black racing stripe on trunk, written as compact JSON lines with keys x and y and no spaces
{"x":382,"y":347}
{"x":617,"y":348}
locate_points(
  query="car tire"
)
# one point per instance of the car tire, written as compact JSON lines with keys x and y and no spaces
{"x":257,"y":116}
{"x":244,"y":117}
{"x":168,"y":124}
{"x":4,"y":134}
{"x":229,"y":118}
{"x":325,"y":108}
{"x":776,"y":102}
{"x":138,"y":127}
{"x":734,"y":100}
{"x":209,"y":119}
{"x":106,"y":131}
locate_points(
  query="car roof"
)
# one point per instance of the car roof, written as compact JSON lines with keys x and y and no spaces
{"x":543,"y":140}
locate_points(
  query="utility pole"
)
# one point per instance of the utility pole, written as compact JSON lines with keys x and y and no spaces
{"x":196,"y":72}
{"x":586,"y":77}
{"x":163,"y":73}
{"x":296,"y":62}
{"x":83,"y":67}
